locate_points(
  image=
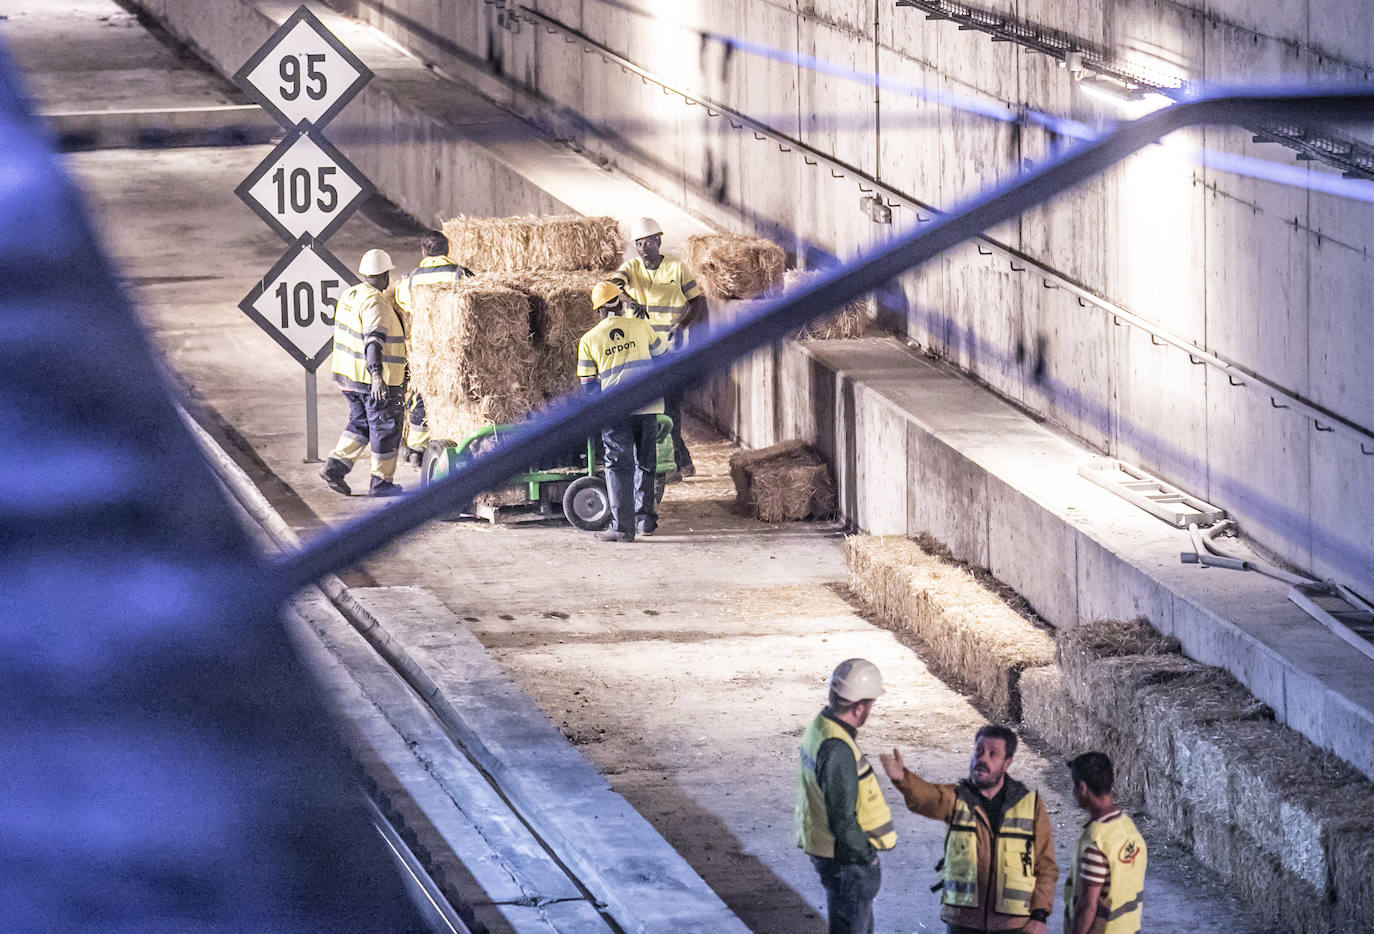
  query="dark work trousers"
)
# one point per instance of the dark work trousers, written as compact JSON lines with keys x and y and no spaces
{"x":417,"y":434}
{"x":631,"y":460}
{"x":672,"y":407}
{"x":849,"y":892}
{"x":374,"y":427}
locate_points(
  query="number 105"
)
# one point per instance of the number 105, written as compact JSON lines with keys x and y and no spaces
{"x":298,"y":303}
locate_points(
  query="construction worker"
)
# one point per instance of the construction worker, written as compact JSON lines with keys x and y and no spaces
{"x":621,"y":346}
{"x":669,"y":295}
{"x":998,"y":872}
{"x":1105,"y":890}
{"x":842,"y":820}
{"x":436,"y":268}
{"x":370,"y":368}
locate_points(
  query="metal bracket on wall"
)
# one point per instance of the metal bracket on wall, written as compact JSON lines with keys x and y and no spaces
{"x":1151,"y":494}
{"x":1339,"y":609}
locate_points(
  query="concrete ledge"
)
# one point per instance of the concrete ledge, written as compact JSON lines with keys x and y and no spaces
{"x":617,"y":854}
{"x":162,"y":128}
{"x":973,"y":635}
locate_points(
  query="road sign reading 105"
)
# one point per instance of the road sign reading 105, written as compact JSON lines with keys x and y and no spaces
{"x":305,"y":187}
{"x":303,"y":73}
{"x":295,"y":301}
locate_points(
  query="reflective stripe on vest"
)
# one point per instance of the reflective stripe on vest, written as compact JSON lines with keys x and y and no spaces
{"x":433,"y":270}
{"x":1120,"y":904}
{"x":1013,"y":859}
{"x":351,"y":338}
{"x":871,"y":810}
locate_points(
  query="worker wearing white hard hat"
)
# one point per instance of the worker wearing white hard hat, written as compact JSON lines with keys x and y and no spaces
{"x":669,"y":296}
{"x":842,"y":820}
{"x":370,"y":367}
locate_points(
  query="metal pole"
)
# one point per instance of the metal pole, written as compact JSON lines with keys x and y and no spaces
{"x":312,"y":419}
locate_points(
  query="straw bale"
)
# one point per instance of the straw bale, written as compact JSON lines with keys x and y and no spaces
{"x":560,"y":313}
{"x":1080,"y":647}
{"x":1352,"y":870}
{"x":972,"y":634}
{"x":787,"y":482}
{"x":734,"y":266}
{"x":1297,"y":796}
{"x":1112,"y":686}
{"x":1258,"y":879}
{"x":560,"y":241}
{"x":850,"y":321}
{"x":471,"y":355}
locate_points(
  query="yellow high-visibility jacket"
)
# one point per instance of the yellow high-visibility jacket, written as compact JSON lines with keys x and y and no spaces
{"x":365,"y":316}
{"x":870,"y":809}
{"x":617,"y":348}
{"x":1121,"y":901}
{"x":664,"y":292}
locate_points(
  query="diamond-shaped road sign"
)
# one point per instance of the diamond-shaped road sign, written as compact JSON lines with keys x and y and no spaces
{"x":294,"y":303}
{"x":305,"y":187}
{"x":303,"y":72}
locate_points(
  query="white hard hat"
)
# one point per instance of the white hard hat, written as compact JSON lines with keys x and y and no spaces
{"x":856,"y":679}
{"x":375,"y":262}
{"x":645,"y":227}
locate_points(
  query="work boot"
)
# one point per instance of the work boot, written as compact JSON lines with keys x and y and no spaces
{"x":672,"y":476}
{"x":611,"y":535}
{"x":687,"y":470}
{"x":413,"y":456}
{"x":385,"y":488}
{"x":334,"y":477}
{"x":645,"y":529}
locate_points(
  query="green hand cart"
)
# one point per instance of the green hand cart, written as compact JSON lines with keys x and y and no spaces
{"x":576,"y":489}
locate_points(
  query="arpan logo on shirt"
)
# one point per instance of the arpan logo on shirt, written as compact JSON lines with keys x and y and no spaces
{"x":1129,"y":851}
{"x":617,"y":334}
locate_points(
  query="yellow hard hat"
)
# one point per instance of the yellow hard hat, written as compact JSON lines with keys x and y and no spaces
{"x":605,"y":292}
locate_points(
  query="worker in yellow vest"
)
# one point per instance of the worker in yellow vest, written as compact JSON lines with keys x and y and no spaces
{"x":670,"y":297}
{"x":1105,"y":890}
{"x":619,"y":347}
{"x":998,"y":872}
{"x":842,"y":820}
{"x":436,"y":268}
{"x":370,"y":368}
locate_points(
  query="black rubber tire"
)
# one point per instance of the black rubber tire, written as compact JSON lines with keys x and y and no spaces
{"x":587,"y":505}
{"x":433,"y":451}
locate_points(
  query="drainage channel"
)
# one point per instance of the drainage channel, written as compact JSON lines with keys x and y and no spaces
{"x":421,"y":852}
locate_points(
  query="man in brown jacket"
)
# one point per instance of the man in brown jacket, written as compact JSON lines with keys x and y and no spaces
{"x":998,"y":872}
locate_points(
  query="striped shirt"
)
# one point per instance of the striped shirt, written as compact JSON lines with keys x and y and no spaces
{"x":1094,"y":867}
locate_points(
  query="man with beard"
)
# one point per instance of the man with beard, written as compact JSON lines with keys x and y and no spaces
{"x":998,"y":872}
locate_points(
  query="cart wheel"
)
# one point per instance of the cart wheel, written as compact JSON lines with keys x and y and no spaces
{"x":435,"y":466}
{"x":660,"y":485}
{"x":586,"y":504}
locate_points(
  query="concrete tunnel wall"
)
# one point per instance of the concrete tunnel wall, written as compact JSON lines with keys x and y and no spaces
{"x":1272,"y":277}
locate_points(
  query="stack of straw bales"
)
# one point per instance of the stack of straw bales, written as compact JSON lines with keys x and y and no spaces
{"x":787,"y":482}
{"x":1288,"y":826}
{"x":973,"y":636}
{"x":732,"y":266}
{"x":559,"y":241}
{"x":850,"y":321}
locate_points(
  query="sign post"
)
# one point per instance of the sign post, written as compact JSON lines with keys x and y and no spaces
{"x":304,"y":190}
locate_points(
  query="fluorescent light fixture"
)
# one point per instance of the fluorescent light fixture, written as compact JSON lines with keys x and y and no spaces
{"x":1130,"y":102}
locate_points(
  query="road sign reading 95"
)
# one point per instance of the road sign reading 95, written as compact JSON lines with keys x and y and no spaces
{"x":303,"y":73}
{"x":305,"y":187}
{"x":294,"y":302}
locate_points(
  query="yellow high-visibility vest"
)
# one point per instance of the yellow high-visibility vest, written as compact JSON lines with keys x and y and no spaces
{"x":618,"y":348}
{"x":1013,"y":859}
{"x":1123,"y":897}
{"x":433,"y":270}
{"x":364,"y":316}
{"x":870,"y":811}
{"x":664,"y":292}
